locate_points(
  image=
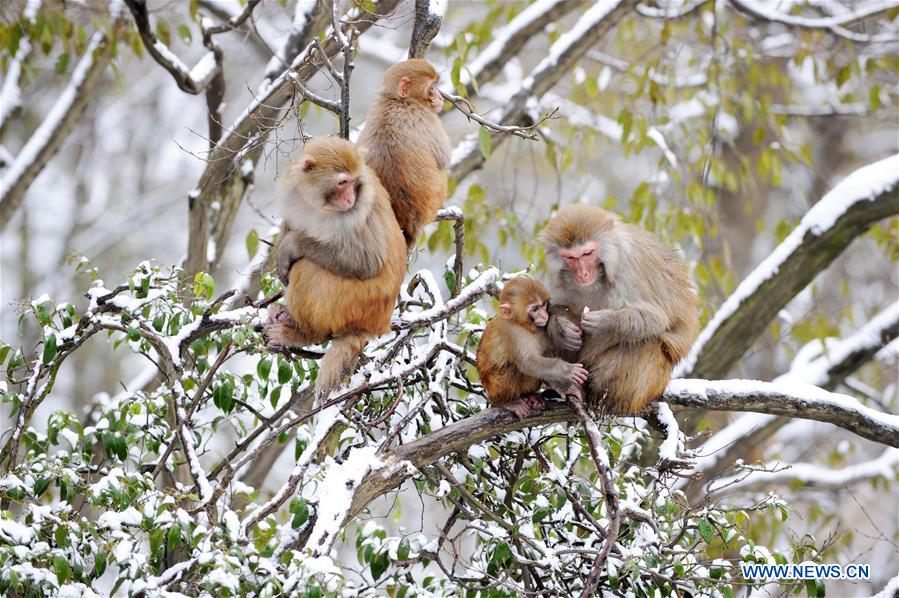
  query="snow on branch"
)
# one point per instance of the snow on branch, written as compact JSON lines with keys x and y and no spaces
{"x":190,"y":80}
{"x":809,"y":474}
{"x":10,"y":93}
{"x":562,"y":55}
{"x":825,"y":366}
{"x":802,"y":401}
{"x":428,"y":18}
{"x":511,"y":39}
{"x":866,"y":196}
{"x":836,"y":25}
{"x":48,"y":137}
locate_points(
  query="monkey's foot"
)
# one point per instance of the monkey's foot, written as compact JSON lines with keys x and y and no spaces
{"x":526,"y":406}
{"x":278,"y":314}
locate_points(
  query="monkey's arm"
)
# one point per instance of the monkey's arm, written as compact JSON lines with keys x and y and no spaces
{"x":554,"y":371}
{"x":359,"y":262}
{"x":635,"y":323}
{"x":564,"y":334}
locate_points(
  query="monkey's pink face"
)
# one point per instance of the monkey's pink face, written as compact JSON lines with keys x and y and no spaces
{"x":435,"y":97}
{"x":343,"y":194}
{"x":538,"y":314}
{"x":582,"y":262}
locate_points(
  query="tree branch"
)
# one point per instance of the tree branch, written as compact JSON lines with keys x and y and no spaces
{"x":427,"y":24}
{"x":54,"y":129}
{"x":563,"y":54}
{"x":866,"y":196}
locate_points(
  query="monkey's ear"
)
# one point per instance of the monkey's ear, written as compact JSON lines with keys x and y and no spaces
{"x":403,"y":87}
{"x":309,"y":164}
{"x":505,"y":310}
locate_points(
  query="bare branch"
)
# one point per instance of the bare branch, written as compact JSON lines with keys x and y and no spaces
{"x":426,"y":26}
{"x":525,"y":132}
{"x":835,"y":25}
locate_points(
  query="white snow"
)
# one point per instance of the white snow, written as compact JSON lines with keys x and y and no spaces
{"x":668,"y":448}
{"x":15,"y":532}
{"x":116,"y":520}
{"x":864,"y":184}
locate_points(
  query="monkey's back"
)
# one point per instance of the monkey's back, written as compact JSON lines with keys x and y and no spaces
{"x":325,"y":305}
{"x":409,"y":165}
{"x":502,"y":380}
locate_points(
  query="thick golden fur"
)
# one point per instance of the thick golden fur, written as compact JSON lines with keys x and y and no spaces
{"x":323,"y":304}
{"x":646,"y":316}
{"x":408,"y":147}
{"x":500,"y":375}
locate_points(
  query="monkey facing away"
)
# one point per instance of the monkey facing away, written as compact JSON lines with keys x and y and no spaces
{"x":335,"y":204}
{"x":511,"y":357}
{"x":639,"y":315}
{"x":408,"y":149}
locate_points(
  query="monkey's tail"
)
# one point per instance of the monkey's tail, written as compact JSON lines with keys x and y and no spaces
{"x":339,"y":358}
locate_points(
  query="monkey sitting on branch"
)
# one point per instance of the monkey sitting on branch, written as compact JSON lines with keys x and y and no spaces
{"x":511,"y":359}
{"x":336,"y":206}
{"x":635,"y":300}
{"x":409,"y":150}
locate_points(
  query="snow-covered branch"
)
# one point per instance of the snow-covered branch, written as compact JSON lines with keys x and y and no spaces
{"x":10,"y":92}
{"x":48,"y":137}
{"x":563,"y":54}
{"x":835,"y":25}
{"x":810,"y":475}
{"x":866,"y":196}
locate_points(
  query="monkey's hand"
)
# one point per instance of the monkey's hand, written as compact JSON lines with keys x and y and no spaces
{"x":577,"y":374}
{"x":287,"y":253}
{"x":570,"y":335}
{"x":591,"y":321}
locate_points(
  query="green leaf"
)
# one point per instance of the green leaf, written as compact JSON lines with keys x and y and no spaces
{"x":252,"y":243}
{"x":4,"y":351}
{"x":402,"y":551}
{"x":49,"y":348}
{"x":300,"y":511}
{"x":626,"y":120}
{"x":61,"y":567}
{"x":284,"y":371}
{"x":484,"y":142}
{"x":174,"y":537}
{"x":275,"y":396}
{"x":163,"y":32}
{"x":204,"y":285}
{"x":41,"y":486}
{"x":186,"y":37}
{"x":62,"y":63}
{"x":706,"y":530}
{"x":874,"y":97}
{"x":100,"y":564}
{"x":379,"y":565}
{"x":264,"y":368}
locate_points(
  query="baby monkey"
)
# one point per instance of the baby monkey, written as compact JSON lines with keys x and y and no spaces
{"x":511,"y":359}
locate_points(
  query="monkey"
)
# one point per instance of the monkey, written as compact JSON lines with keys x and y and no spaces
{"x":409,"y":150}
{"x":511,"y":358}
{"x":407,"y":145}
{"x":637,"y":306}
{"x":335,"y":203}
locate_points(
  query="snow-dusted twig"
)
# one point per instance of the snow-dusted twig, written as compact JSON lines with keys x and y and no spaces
{"x":848,"y":210}
{"x":835,"y":25}
{"x":609,"y":491}
{"x":51,"y":133}
{"x":811,"y":475}
{"x":599,"y":18}
{"x":511,"y":39}
{"x":524,"y":131}
{"x":455,"y":214}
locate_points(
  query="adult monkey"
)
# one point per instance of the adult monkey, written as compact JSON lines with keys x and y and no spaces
{"x":634,"y":298}
{"x":405,"y":144}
